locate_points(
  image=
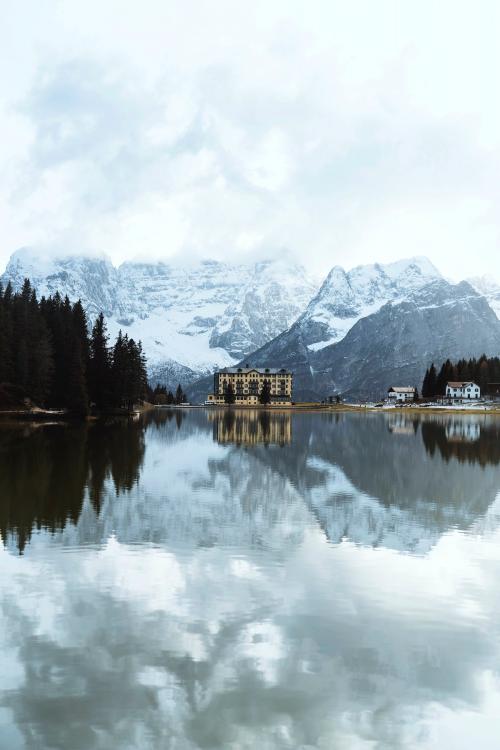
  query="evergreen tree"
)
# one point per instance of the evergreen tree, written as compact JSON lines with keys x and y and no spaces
{"x":46,"y":354}
{"x":229,"y":396}
{"x":446,"y":374}
{"x":76,"y":398}
{"x":6,"y":360}
{"x":265,"y":393}
{"x":128,"y":372}
{"x":119,"y":370}
{"x":425,"y":384}
{"x":432,"y":382}
{"x":136,"y":373}
{"x":99,"y":365}
{"x":180,"y":396}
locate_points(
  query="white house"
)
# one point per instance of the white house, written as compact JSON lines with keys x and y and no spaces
{"x":401,"y":393}
{"x":462,"y":390}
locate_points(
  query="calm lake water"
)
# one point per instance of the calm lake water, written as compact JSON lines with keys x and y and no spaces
{"x":204,"y":579}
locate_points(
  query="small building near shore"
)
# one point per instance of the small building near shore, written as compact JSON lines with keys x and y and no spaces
{"x":463,"y":390}
{"x":401,"y":393}
{"x":247,"y":384}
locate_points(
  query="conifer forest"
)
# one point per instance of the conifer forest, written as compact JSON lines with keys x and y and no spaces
{"x":485,"y":371}
{"x":52,"y":357}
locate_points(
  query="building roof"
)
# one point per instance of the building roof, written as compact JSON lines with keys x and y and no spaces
{"x":401,"y":389}
{"x":260,"y":370}
{"x":460,"y":383}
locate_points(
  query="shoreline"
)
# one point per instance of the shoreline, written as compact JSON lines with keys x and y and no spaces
{"x":345,"y":408}
{"x":58,"y":416}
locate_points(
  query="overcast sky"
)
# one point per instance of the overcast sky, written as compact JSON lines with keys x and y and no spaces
{"x":341,"y":132}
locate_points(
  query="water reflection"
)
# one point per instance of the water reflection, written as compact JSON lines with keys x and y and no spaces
{"x":45,"y":471}
{"x":340,"y":590}
{"x":466,"y":439}
{"x":251,"y":426}
{"x":360,"y":475}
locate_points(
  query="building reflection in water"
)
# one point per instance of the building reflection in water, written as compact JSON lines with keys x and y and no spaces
{"x":401,"y":424}
{"x":251,"y":426}
{"x":48,"y":471}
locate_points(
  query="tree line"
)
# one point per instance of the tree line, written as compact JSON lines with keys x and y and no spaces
{"x":484,"y":371}
{"x":163,"y":397}
{"x":48,"y":355}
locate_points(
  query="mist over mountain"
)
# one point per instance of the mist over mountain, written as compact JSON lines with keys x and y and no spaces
{"x":190,"y":319}
{"x":356,"y":334}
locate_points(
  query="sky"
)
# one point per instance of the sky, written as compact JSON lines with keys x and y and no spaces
{"x":330,"y":132}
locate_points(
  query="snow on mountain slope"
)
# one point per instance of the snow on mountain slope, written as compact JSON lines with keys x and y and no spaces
{"x":395,"y":345}
{"x":346,"y":297}
{"x":490,"y":289}
{"x":191,"y":319}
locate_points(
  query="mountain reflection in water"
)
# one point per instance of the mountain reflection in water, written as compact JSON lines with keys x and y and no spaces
{"x":250,"y":579}
{"x":335,"y":461}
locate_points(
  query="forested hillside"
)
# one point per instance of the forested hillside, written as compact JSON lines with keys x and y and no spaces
{"x":48,"y":356}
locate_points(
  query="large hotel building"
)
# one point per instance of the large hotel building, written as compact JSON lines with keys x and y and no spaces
{"x":247,"y":383}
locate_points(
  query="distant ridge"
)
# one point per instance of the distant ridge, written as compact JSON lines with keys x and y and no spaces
{"x":191,"y":318}
{"x":360,"y":328}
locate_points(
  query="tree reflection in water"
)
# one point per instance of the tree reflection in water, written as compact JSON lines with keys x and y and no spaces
{"x":467,"y":440}
{"x":45,"y":470}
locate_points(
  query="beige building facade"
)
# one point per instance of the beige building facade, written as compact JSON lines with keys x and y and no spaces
{"x":247,"y":384}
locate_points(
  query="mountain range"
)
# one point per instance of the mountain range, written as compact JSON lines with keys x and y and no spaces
{"x":354,"y":334}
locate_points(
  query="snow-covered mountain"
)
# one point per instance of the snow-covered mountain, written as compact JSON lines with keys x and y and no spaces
{"x":361,"y":328}
{"x":394,"y":344}
{"x":191,"y":319}
{"x":490,"y":289}
{"x":347,"y":296}
{"x":397,"y":343}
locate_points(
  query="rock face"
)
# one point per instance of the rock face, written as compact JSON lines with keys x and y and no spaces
{"x":346,"y":297}
{"x":364,"y":330}
{"x":488,"y":288}
{"x":190,"y":319}
{"x":392,"y":346}
{"x":396,"y":344}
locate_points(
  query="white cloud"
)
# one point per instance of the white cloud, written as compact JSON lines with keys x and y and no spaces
{"x":345,"y":132}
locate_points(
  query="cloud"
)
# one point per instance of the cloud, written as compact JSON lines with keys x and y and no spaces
{"x":285,"y":596}
{"x":346,"y":134}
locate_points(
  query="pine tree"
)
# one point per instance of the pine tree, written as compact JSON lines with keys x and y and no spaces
{"x":6,"y":361}
{"x":180,"y":397}
{"x":425,"y":384}
{"x":76,"y":398}
{"x":46,"y":354}
{"x":265,"y":393}
{"x":229,"y":396}
{"x":119,"y":370}
{"x":99,"y":365}
{"x":432,"y":382}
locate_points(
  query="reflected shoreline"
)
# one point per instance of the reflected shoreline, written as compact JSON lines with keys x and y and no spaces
{"x":47,"y":471}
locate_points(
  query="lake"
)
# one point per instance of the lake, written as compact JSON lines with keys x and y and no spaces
{"x":246,"y":579}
